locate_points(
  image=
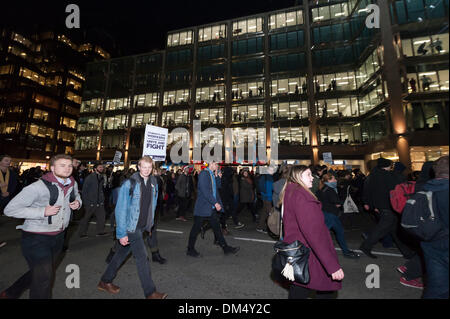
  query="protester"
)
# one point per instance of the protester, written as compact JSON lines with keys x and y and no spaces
{"x":94,"y":200}
{"x":44,"y":227}
{"x":331,"y":207}
{"x":303,"y":220}
{"x":8,"y":184}
{"x":266,"y":187}
{"x":184,"y":188}
{"x":413,"y":270}
{"x":379,"y":183}
{"x":207,"y":203}
{"x":436,"y":251}
{"x":133,"y":218}
{"x":247,"y":194}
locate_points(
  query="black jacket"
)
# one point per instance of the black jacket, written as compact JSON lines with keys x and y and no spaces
{"x":377,"y":188}
{"x":329,"y":199}
{"x":93,"y":190}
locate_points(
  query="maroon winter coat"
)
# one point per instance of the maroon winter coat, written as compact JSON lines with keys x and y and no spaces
{"x":304,"y":221}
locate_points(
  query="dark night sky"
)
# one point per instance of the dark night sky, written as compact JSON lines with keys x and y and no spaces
{"x":135,"y":26}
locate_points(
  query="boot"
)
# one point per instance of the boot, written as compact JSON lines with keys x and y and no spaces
{"x":157,"y":258}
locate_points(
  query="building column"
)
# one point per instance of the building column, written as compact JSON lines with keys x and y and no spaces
{"x":310,"y":88}
{"x":392,"y":74}
{"x":267,"y":88}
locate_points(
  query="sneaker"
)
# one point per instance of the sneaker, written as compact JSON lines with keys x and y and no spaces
{"x":401,"y":269}
{"x":227,"y":250}
{"x":193,"y":253}
{"x":2,"y":244}
{"x":261,"y":231}
{"x":414,"y":283}
{"x":102,"y":234}
{"x":83,"y":236}
{"x":181,"y":218}
{"x":239,"y":225}
{"x":351,"y":254}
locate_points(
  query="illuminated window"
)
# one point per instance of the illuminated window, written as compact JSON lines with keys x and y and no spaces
{"x":252,"y":25}
{"x":212,"y":33}
{"x":176,"y":97}
{"x":181,"y":38}
{"x":212,"y":93}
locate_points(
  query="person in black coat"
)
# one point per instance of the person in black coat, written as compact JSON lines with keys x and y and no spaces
{"x":377,"y":196}
{"x":331,"y":207}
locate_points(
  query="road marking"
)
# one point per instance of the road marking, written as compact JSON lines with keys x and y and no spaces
{"x":269,"y":241}
{"x":169,"y":231}
{"x":257,"y":240}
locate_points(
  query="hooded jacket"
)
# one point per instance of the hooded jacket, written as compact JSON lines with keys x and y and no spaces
{"x":439,"y":187}
{"x":31,"y":202}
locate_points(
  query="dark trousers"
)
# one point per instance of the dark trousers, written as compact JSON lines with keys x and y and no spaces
{"x":137,"y":248}
{"x":298,"y":292}
{"x":267,"y":206}
{"x":183,"y":206}
{"x":196,"y":227}
{"x":334,"y":223}
{"x":436,"y":263}
{"x":99,"y":212}
{"x":388,"y":224}
{"x":41,"y":253}
{"x":251,"y":207}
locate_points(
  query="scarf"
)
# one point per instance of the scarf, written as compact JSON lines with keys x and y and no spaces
{"x":4,"y":180}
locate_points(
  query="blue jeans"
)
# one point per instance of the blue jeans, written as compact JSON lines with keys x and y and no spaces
{"x":436,"y":263}
{"x":137,"y":248}
{"x":334,"y":223}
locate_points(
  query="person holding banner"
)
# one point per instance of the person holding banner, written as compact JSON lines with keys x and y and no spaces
{"x":207,"y":203}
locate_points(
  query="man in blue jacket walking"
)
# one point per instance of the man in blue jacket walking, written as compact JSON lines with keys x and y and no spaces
{"x":207,"y":203}
{"x":135,"y":214}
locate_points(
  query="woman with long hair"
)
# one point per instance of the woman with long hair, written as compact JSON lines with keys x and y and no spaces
{"x":331,"y":207}
{"x":247,"y":194}
{"x":303,"y":220}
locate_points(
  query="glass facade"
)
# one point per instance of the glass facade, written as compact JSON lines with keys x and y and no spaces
{"x":256,"y":75}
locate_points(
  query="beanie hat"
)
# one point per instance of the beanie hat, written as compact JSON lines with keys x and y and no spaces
{"x":383,"y":162}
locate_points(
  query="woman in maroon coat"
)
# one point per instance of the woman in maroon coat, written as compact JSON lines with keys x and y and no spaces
{"x":303,"y":220}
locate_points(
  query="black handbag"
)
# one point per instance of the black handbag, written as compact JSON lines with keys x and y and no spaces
{"x":291,"y":260}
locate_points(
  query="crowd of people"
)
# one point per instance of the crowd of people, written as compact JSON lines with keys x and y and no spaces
{"x":134,"y":199}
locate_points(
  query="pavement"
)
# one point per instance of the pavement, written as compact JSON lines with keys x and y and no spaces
{"x":245,"y":275}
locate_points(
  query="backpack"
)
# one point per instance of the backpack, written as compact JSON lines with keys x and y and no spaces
{"x":54,"y":193}
{"x":400,"y":195}
{"x":419,"y":217}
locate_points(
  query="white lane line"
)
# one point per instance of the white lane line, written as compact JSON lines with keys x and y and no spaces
{"x":359,"y":251}
{"x":257,"y":240}
{"x":270,"y":242}
{"x":170,"y":231}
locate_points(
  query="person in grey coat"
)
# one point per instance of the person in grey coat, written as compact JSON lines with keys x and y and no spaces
{"x":94,"y":199}
{"x":44,"y":227}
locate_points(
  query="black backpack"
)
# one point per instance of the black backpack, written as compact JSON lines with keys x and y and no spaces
{"x":419,"y":217}
{"x":54,"y":193}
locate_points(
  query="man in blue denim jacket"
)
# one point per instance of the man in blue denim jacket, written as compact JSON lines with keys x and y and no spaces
{"x":135,"y":212}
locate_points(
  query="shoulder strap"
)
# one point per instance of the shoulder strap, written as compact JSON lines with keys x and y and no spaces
{"x":53,"y":189}
{"x":429,"y":196}
{"x":281,"y":221}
